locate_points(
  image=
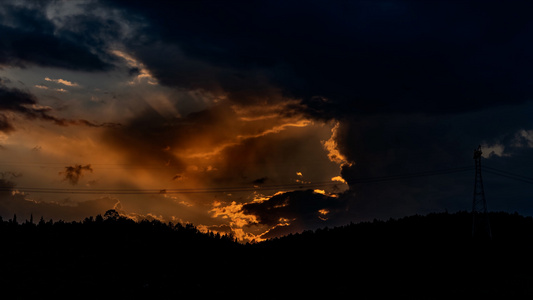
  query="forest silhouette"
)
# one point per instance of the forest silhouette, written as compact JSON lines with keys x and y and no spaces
{"x":416,"y":257}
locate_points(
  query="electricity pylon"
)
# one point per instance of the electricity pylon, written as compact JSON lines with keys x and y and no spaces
{"x":480,"y":218}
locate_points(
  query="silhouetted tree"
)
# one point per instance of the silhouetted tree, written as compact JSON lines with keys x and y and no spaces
{"x":98,"y":219}
{"x":112,"y":215}
{"x":419,"y":257}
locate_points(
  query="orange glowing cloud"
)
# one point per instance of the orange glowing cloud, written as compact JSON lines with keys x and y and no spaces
{"x":338,"y":178}
{"x":323,"y":214}
{"x":237,"y":219}
{"x":333,"y":151}
{"x":206,"y":154}
{"x":62,"y":81}
{"x":318,"y":191}
{"x":143,"y":74}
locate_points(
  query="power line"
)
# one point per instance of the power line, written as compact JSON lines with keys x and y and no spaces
{"x":292,"y":186}
{"x":509,"y":175}
{"x":170,"y":191}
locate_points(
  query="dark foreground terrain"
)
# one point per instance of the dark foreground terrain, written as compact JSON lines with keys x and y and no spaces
{"x":423,"y":257}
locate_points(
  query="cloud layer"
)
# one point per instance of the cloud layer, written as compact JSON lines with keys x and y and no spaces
{"x":238,"y":94}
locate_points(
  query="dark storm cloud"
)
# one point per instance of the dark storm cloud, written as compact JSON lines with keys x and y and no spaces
{"x":73,"y":174}
{"x":299,"y":210}
{"x":414,"y":85}
{"x":363,"y":56}
{"x":396,"y":144}
{"x":30,"y":38}
{"x":339,"y":57}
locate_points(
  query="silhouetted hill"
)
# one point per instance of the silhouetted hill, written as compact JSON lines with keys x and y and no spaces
{"x":423,"y":257}
{"x":111,"y":255}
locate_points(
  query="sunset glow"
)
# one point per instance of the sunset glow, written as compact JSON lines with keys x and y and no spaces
{"x":254,"y":119}
{"x":222,"y":147}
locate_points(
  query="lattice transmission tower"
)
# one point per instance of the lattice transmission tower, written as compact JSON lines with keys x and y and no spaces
{"x":480,"y":218}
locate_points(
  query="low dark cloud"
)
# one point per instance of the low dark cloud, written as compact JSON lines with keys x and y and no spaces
{"x":26,"y":104}
{"x":72,"y":174}
{"x":5,"y":125}
{"x":15,"y":99}
{"x":18,"y":101}
{"x":299,"y":210}
{"x":260,"y":181}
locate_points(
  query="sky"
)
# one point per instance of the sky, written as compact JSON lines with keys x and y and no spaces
{"x":263,"y":118}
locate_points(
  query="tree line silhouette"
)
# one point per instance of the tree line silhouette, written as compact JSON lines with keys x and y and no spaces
{"x":417,"y":257}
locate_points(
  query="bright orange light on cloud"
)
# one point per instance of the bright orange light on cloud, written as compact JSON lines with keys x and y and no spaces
{"x":333,"y":151}
{"x":322,"y":214}
{"x":237,"y":219}
{"x":338,"y":178}
{"x":318,"y":191}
